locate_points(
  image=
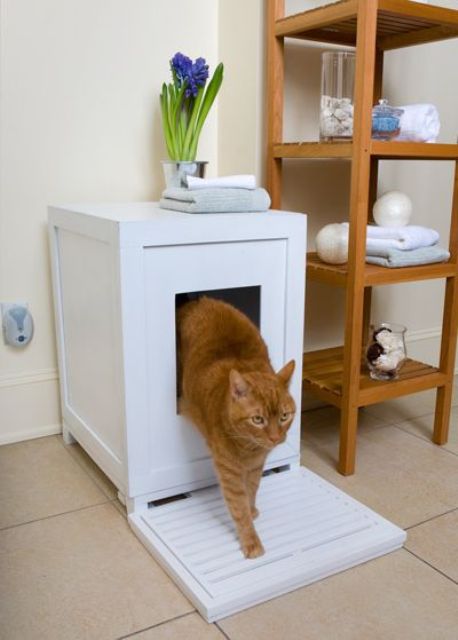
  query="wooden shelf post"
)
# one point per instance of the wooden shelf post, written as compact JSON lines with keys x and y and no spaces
{"x":275,"y":83}
{"x":373,"y":185}
{"x":359,"y":206}
{"x":449,"y":331}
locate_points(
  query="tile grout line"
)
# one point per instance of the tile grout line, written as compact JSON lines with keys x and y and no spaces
{"x":439,"y":515}
{"x":389,"y":422}
{"x":395,"y":421}
{"x":428,"y":564}
{"x":56,"y":515}
{"x":154,"y":626}
{"x":382,"y":425}
{"x":441,"y":447}
{"x":81,"y":466}
{"x":222,"y":630}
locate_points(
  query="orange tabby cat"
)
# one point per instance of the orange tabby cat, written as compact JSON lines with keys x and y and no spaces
{"x":239,"y":404}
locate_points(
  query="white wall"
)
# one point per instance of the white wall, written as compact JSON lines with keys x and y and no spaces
{"x":80,"y":122}
{"x":240,"y":116}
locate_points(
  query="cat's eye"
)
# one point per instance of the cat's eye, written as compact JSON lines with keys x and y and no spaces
{"x":257,"y":420}
{"x":284,"y":416}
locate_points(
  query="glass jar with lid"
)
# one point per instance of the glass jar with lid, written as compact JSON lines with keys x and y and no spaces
{"x":386,"y":121}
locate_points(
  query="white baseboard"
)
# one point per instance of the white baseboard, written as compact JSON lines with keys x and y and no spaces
{"x":424,"y":345}
{"x":29,"y":434}
{"x":29,"y":405}
{"x":30,"y":377}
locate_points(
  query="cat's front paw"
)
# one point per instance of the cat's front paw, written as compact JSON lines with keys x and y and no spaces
{"x":253,"y":548}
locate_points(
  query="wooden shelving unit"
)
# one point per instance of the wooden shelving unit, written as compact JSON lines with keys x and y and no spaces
{"x":338,"y":375}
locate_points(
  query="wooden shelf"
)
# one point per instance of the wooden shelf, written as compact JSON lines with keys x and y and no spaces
{"x":413,"y":150}
{"x":381,"y":150}
{"x":319,"y":271}
{"x":400,"y":23}
{"x":313,"y":150}
{"x":322,"y":375}
{"x":336,"y":274}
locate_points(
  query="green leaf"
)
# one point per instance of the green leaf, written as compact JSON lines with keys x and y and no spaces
{"x":168,"y":135}
{"x":192,"y":124}
{"x":209,"y":98}
{"x":177,"y":119}
{"x":183,"y":122}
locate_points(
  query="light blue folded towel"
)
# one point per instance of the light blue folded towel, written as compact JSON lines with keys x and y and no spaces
{"x":215,"y":200}
{"x":395,"y":258}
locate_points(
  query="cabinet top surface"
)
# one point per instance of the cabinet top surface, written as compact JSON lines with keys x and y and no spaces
{"x":150,"y":211}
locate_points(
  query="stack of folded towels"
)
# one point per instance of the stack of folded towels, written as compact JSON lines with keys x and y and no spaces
{"x":403,"y":246}
{"x":234,"y":194}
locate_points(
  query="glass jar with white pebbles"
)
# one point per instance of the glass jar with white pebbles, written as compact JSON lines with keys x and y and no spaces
{"x":337,"y":87}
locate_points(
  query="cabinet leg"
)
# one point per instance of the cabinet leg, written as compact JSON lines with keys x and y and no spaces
{"x":348,"y":431}
{"x":67,"y":436}
{"x":442,"y":415}
{"x":134,"y":504}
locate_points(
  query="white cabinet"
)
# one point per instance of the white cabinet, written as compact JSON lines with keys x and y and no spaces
{"x":119,"y":272}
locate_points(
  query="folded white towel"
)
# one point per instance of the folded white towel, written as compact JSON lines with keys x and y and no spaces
{"x":395,"y":259}
{"x":419,"y":123}
{"x":228,"y":182}
{"x":402,"y":238}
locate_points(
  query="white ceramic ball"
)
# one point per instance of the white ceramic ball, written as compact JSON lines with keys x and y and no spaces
{"x":332,"y":243}
{"x":393,"y":209}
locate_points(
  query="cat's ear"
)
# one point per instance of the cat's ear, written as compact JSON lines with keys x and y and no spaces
{"x":287,"y":371}
{"x":238,"y":385}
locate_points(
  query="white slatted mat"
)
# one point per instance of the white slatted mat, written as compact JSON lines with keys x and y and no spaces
{"x":309,"y":529}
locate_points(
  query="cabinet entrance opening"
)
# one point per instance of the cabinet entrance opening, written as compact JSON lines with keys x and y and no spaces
{"x":245,"y":299}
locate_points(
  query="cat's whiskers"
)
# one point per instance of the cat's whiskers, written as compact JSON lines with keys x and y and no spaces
{"x":254,"y":444}
{"x":236,"y":436}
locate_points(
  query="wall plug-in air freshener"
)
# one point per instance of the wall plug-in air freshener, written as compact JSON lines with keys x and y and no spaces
{"x":17,"y":324}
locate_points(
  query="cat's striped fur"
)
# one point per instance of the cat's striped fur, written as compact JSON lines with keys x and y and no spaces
{"x":239,"y":404}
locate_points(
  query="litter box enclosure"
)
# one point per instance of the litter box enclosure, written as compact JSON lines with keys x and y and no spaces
{"x":119,"y":274}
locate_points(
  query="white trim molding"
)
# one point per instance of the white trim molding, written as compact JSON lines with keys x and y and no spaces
{"x":424,"y":334}
{"x":430,"y":350}
{"x":30,"y":434}
{"x":29,"y":405}
{"x":28,"y":377}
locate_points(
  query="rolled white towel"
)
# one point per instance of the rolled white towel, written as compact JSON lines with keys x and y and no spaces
{"x":419,"y":123}
{"x":229,"y":182}
{"x":401,"y":238}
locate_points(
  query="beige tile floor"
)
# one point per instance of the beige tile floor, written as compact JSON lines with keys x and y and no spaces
{"x":70,"y":568}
